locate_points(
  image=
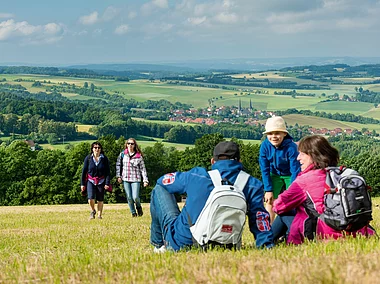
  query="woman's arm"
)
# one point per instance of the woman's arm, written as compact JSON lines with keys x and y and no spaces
{"x":84,"y":171}
{"x":107,"y":170}
{"x":290,"y":199}
{"x":143,"y":172}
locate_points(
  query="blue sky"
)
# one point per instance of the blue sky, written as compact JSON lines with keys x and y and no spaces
{"x":95,"y":31}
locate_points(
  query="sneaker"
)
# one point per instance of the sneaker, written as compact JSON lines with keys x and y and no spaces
{"x":134,"y":215}
{"x":139,"y":211}
{"x":159,"y":250}
{"x":100,"y":217}
{"x":92,"y":215}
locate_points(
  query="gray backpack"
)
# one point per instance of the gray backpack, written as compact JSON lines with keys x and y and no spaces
{"x":222,"y":219}
{"x":348,"y":205}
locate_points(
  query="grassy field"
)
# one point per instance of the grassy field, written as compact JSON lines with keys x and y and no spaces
{"x":320,"y":122}
{"x":198,"y":96}
{"x":58,"y":244}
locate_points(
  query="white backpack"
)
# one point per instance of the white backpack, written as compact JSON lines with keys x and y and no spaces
{"x":223,"y":216}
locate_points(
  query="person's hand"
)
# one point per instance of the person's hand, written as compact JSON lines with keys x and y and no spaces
{"x":268,"y":197}
{"x":146,"y":183}
{"x":106,"y":187}
{"x":82,"y":188}
{"x":119,"y":180}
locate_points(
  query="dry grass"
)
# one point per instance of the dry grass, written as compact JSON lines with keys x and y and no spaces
{"x":58,"y":244}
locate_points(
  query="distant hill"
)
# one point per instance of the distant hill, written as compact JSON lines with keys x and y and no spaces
{"x":133,"y":67}
{"x":243,"y":64}
{"x":203,"y":65}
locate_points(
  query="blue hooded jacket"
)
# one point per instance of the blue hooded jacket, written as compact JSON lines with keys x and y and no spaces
{"x":198,"y":185}
{"x":281,"y":161}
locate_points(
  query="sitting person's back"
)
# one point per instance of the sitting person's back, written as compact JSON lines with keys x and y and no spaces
{"x":171,"y":227}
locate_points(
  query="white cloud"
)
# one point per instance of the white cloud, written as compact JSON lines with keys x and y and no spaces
{"x":153,"y":30}
{"x":80,"y":33}
{"x":52,"y":28}
{"x":149,"y":7}
{"x":132,"y":15}
{"x":200,"y":9}
{"x":122,"y":29}
{"x":48,"y":33}
{"x":197,"y":21}
{"x":352,"y":24}
{"x":293,"y":28}
{"x":228,"y":4}
{"x":97,"y":32}
{"x":146,"y":9}
{"x":109,"y":13}
{"x":6,"y":15}
{"x":160,"y":3}
{"x":89,"y":19}
{"x":226,"y":18}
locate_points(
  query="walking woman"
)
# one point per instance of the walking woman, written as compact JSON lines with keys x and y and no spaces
{"x":130,"y":168}
{"x":95,"y":178}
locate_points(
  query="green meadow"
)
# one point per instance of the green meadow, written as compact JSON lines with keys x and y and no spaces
{"x":198,"y":96}
{"x":320,"y":122}
{"x":59,"y":244}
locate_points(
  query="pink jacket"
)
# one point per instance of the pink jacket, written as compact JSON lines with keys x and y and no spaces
{"x":305,"y":192}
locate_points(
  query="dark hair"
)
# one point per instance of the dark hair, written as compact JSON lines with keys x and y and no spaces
{"x":97,"y":143}
{"x":137,"y":148}
{"x":320,"y":150}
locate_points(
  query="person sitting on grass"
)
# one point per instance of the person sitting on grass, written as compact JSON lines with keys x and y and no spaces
{"x":170,"y":227}
{"x":306,"y":196}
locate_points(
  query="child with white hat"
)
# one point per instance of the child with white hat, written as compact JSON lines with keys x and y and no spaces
{"x":278,"y":160}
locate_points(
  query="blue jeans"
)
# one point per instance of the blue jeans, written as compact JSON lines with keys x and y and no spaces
{"x":281,"y":225}
{"x":163,"y":210}
{"x":132,"y":190}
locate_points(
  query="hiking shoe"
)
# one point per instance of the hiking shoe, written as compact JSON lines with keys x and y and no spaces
{"x":134,"y":215}
{"x":92,"y":215}
{"x":159,"y":250}
{"x":139,"y":211}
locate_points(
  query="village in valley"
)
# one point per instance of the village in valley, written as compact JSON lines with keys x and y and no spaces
{"x":213,"y":115}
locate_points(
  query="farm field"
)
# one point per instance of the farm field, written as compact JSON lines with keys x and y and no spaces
{"x":198,"y":96}
{"x":58,"y":244}
{"x":320,"y":122}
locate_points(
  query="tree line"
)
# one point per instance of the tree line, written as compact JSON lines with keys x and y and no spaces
{"x":53,"y":176}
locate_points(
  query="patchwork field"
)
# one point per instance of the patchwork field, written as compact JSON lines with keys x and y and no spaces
{"x":199,"y":96}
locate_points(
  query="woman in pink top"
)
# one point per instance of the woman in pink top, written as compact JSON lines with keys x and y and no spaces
{"x":307,"y":191}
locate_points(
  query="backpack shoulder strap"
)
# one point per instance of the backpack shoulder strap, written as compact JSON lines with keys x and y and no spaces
{"x":241,"y":180}
{"x":215,"y":177}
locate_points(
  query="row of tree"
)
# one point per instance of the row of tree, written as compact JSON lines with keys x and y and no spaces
{"x":53,"y":176}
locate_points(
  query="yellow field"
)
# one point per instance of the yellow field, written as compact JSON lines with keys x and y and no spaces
{"x":84,"y":127}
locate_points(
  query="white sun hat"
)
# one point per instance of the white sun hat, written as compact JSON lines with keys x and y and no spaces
{"x":275,"y":123}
